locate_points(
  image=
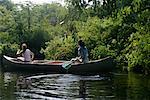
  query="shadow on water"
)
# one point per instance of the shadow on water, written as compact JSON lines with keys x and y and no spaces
{"x":24,"y":86}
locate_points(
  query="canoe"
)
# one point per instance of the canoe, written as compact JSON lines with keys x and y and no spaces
{"x":51,"y":66}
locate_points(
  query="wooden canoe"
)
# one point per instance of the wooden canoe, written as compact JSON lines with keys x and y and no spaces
{"x":93,"y":67}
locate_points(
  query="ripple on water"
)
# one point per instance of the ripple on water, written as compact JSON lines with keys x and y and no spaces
{"x":74,"y":87}
{"x":59,"y":86}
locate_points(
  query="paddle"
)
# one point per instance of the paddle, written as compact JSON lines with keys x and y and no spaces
{"x":67,"y":64}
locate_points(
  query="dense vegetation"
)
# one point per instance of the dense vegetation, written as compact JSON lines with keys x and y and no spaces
{"x":117,"y":28}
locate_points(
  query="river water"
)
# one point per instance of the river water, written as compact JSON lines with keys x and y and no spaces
{"x":44,"y":86}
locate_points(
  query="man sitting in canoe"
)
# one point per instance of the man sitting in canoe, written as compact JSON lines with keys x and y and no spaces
{"x":27,"y":55}
{"x":82,"y":53}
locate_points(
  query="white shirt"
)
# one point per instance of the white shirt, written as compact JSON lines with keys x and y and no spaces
{"x":27,"y":55}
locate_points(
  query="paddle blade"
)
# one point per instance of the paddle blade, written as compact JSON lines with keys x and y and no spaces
{"x":67,"y":65}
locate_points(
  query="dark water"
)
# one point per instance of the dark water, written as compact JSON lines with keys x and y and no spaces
{"x":18,"y":86}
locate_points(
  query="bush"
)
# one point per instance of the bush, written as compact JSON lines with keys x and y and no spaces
{"x":60,"y":48}
{"x":8,"y":49}
{"x":101,"y":52}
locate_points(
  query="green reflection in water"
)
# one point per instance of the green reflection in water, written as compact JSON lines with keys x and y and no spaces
{"x":113,"y":87}
{"x":138,"y":87}
{"x":7,"y":86}
{"x":132,"y":87}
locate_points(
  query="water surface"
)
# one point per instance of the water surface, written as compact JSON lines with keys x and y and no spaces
{"x":42,"y":86}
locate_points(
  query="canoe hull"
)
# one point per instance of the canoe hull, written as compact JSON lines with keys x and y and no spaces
{"x":12,"y":66}
{"x":93,"y":67}
{"x":101,"y":66}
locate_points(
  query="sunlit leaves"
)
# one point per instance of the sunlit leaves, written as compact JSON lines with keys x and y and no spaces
{"x":136,"y":4}
{"x":89,"y":31}
{"x":8,"y":49}
{"x":60,"y":48}
{"x":7,"y":23}
{"x":120,"y":28}
{"x":139,"y":52}
{"x":101,"y":51}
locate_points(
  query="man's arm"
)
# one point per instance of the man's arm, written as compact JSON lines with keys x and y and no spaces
{"x":19,"y":53}
{"x":32,"y":56}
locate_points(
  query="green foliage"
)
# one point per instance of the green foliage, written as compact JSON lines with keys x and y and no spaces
{"x":7,"y":29}
{"x":4,"y":37}
{"x":38,"y":39}
{"x":7,"y":23}
{"x":118,"y":28}
{"x":89,"y":31}
{"x":139,"y":53}
{"x":9,"y":49}
{"x":139,"y":49}
{"x":60,"y":48}
{"x":101,"y":51}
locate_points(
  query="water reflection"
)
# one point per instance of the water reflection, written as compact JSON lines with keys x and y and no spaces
{"x":82,"y":89}
{"x":73,"y":87}
{"x":7,"y":86}
{"x":23,"y":83}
